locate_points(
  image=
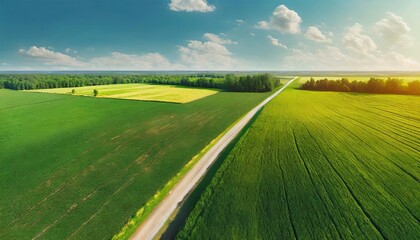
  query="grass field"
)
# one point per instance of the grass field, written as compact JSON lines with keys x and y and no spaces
{"x":145,"y":92}
{"x":361,"y":78}
{"x":79,"y":168}
{"x":317,"y":165}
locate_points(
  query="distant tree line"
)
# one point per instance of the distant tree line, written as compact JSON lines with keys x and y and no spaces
{"x":256,"y":83}
{"x":203,"y":82}
{"x":45,"y":81}
{"x":374,"y":85}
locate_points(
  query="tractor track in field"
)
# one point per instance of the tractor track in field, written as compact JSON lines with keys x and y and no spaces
{"x":376,"y":130}
{"x":350,"y":191}
{"x":314,"y":185}
{"x":378,"y":152}
{"x":367,"y":167}
{"x":289,"y":211}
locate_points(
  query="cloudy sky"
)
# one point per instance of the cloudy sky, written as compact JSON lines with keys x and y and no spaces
{"x":209,"y":35}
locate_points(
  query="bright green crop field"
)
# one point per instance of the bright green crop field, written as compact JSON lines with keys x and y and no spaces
{"x":80,"y":167}
{"x":319,"y":165}
{"x":136,"y":91}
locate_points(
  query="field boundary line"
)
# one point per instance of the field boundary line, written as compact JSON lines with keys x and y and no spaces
{"x":161,"y":213}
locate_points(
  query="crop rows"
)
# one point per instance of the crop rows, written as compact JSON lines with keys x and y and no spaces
{"x":79,"y":168}
{"x":319,"y":165}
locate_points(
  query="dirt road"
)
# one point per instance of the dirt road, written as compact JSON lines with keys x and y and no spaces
{"x":162,"y":212}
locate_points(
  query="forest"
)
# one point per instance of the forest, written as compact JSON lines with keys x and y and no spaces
{"x":374,"y":85}
{"x":229,"y":82}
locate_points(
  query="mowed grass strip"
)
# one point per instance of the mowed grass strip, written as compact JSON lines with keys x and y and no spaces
{"x":79,"y":168}
{"x":319,"y":165}
{"x":136,"y":91}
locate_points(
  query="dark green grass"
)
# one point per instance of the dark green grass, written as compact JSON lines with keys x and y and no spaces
{"x":319,"y":166}
{"x":79,"y":167}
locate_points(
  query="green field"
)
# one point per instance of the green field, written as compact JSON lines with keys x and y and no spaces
{"x":136,"y":91}
{"x":319,"y":165}
{"x":360,"y":78}
{"x":81,"y":167}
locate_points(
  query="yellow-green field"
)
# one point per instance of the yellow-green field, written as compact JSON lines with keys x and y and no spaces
{"x":144,"y":92}
{"x":360,"y":78}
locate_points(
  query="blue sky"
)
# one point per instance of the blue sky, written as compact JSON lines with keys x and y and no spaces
{"x":209,"y":35}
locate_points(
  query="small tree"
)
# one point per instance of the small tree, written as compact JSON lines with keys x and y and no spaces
{"x":73,"y":91}
{"x":95,"y":92}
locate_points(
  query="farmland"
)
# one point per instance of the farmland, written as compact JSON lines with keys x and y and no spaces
{"x":80,"y":167}
{"x":145,"y":92}
{"x":361,"y":78}
{"x":318,"y":165}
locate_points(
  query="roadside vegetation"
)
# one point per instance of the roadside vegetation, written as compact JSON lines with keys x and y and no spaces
{"x":373,"y":85}
{"x":229,"y":82}
{"x":317,"y":165}
{"x":81,"y":168}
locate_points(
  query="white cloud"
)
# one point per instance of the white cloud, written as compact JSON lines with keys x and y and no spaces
{"x":276,"y":42}
{"x":211,"y":54}
{"x":191,"y":6}
{"x":283,"y":20}
{"x":197,"y":55}
{"x":50,"y":57}
{"x":397,"y":59}
{"x":355,"y":40}
{"x":328,"y":58}
{"x":334,"y":59}
{"x":206,"y":56}
{"x":217,"y":39}
{"x":116,"y":61}
{"x":252,"y":34}
{"x":313,"y":33}
{"x":69,"y":50}
{"x":240,"y":21}
{"x":394,"y":30}
{"x":121,"y":61}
